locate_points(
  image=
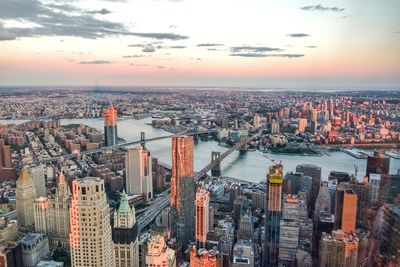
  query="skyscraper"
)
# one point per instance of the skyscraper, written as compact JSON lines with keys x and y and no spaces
{"x":90,"y":237}
{"x":202,"y":215}
{"x":346,"y":210}
{"x":139,"y":175}
{"x":338,"y":249}
{"x":314,"y":172}
{"x":110,"y":126}
{"x":125,"y":235}
{"x":245,"y":230}
{"x":378,"y":163}
{"x":25,"y":196}
{"x":182,"y":165}
{"x":52,"y":215}
{"x":273,"y":214}
{"x":182,"y":197}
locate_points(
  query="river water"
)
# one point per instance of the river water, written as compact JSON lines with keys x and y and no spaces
{"x":250,"y":166}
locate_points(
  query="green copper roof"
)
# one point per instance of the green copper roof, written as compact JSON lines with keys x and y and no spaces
{"x":124,"y":204}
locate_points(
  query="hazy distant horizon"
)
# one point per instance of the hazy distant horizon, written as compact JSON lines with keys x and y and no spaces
{"x":105,"y":88}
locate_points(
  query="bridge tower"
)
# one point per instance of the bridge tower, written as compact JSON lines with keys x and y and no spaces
{"x":196,"y":136}
{"x":143,"y":139}
{"x":216,"y":156}
{"x":244,"y":147}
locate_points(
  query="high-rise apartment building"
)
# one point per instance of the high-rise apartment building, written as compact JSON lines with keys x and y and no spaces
{"x":346,"y":210}
{"x":90,"y":237}
{"x":110,"y":126}
{"x":338,"y":249}
{"x":158,"y":254}
{"x":273,"y":215}
{"x":125,"y":235}
{"x":25,"y":196}
{"x":202,"y":215}
{"x":52,"y":215}
{"x":182,"y":166}
{"x":139,"y":175}
{"x":378,"y":163}
{"x":314,"y":172}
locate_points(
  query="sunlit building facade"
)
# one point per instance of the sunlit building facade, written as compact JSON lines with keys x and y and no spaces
{"x":110,"y":126}
{"x":202,"y":215}
{"x":90,"y":237}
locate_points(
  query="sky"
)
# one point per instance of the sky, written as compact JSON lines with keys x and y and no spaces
{"x":218,"y":43}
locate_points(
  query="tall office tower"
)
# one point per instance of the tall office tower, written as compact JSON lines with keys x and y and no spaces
{"x":246,"y":226}
{"x":390,"y":246}
{"x":346,"y":210}
{"x":182,"y":166}
{"x":110,"y":126}
{"x":90,"y":237}
{"x":39,"y":181}
{"x":338,"y":249}
{"x":289,"y":230}
{"x":363,"y":200}
{"x":158,"y":254}
{"x":273,"y":215}
{"x":25,"y":196}
{"x":302,"y":125}
{"x":139,"y":175}
{"x":125,"y":235}
{"x":182,"y":190}
{"x":203,"y":258}
{"x":243,"y":254}
{"x":184,"y":218}
{"x":202,"y":215}
{"x":378,"y":163}
{"x":314,"y":172}
{"x":52,"y":215}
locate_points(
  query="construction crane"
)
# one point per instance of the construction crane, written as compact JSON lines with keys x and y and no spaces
{"x":355,"y":170}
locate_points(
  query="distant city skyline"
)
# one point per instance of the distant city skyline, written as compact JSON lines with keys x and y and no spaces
{"x":262,"y":44}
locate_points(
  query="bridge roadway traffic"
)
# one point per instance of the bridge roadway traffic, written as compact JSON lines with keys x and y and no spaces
{"x":122,"y":145}
{"x":162,"y":200}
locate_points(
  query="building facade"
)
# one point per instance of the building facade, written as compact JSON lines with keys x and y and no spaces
{"x":346,"y":210}
{"x":158,"y":254}
{"x":202,"y":215}
{"x":90,"y":237}
{"x":273,"y":215}
{"x":52,"y":215}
